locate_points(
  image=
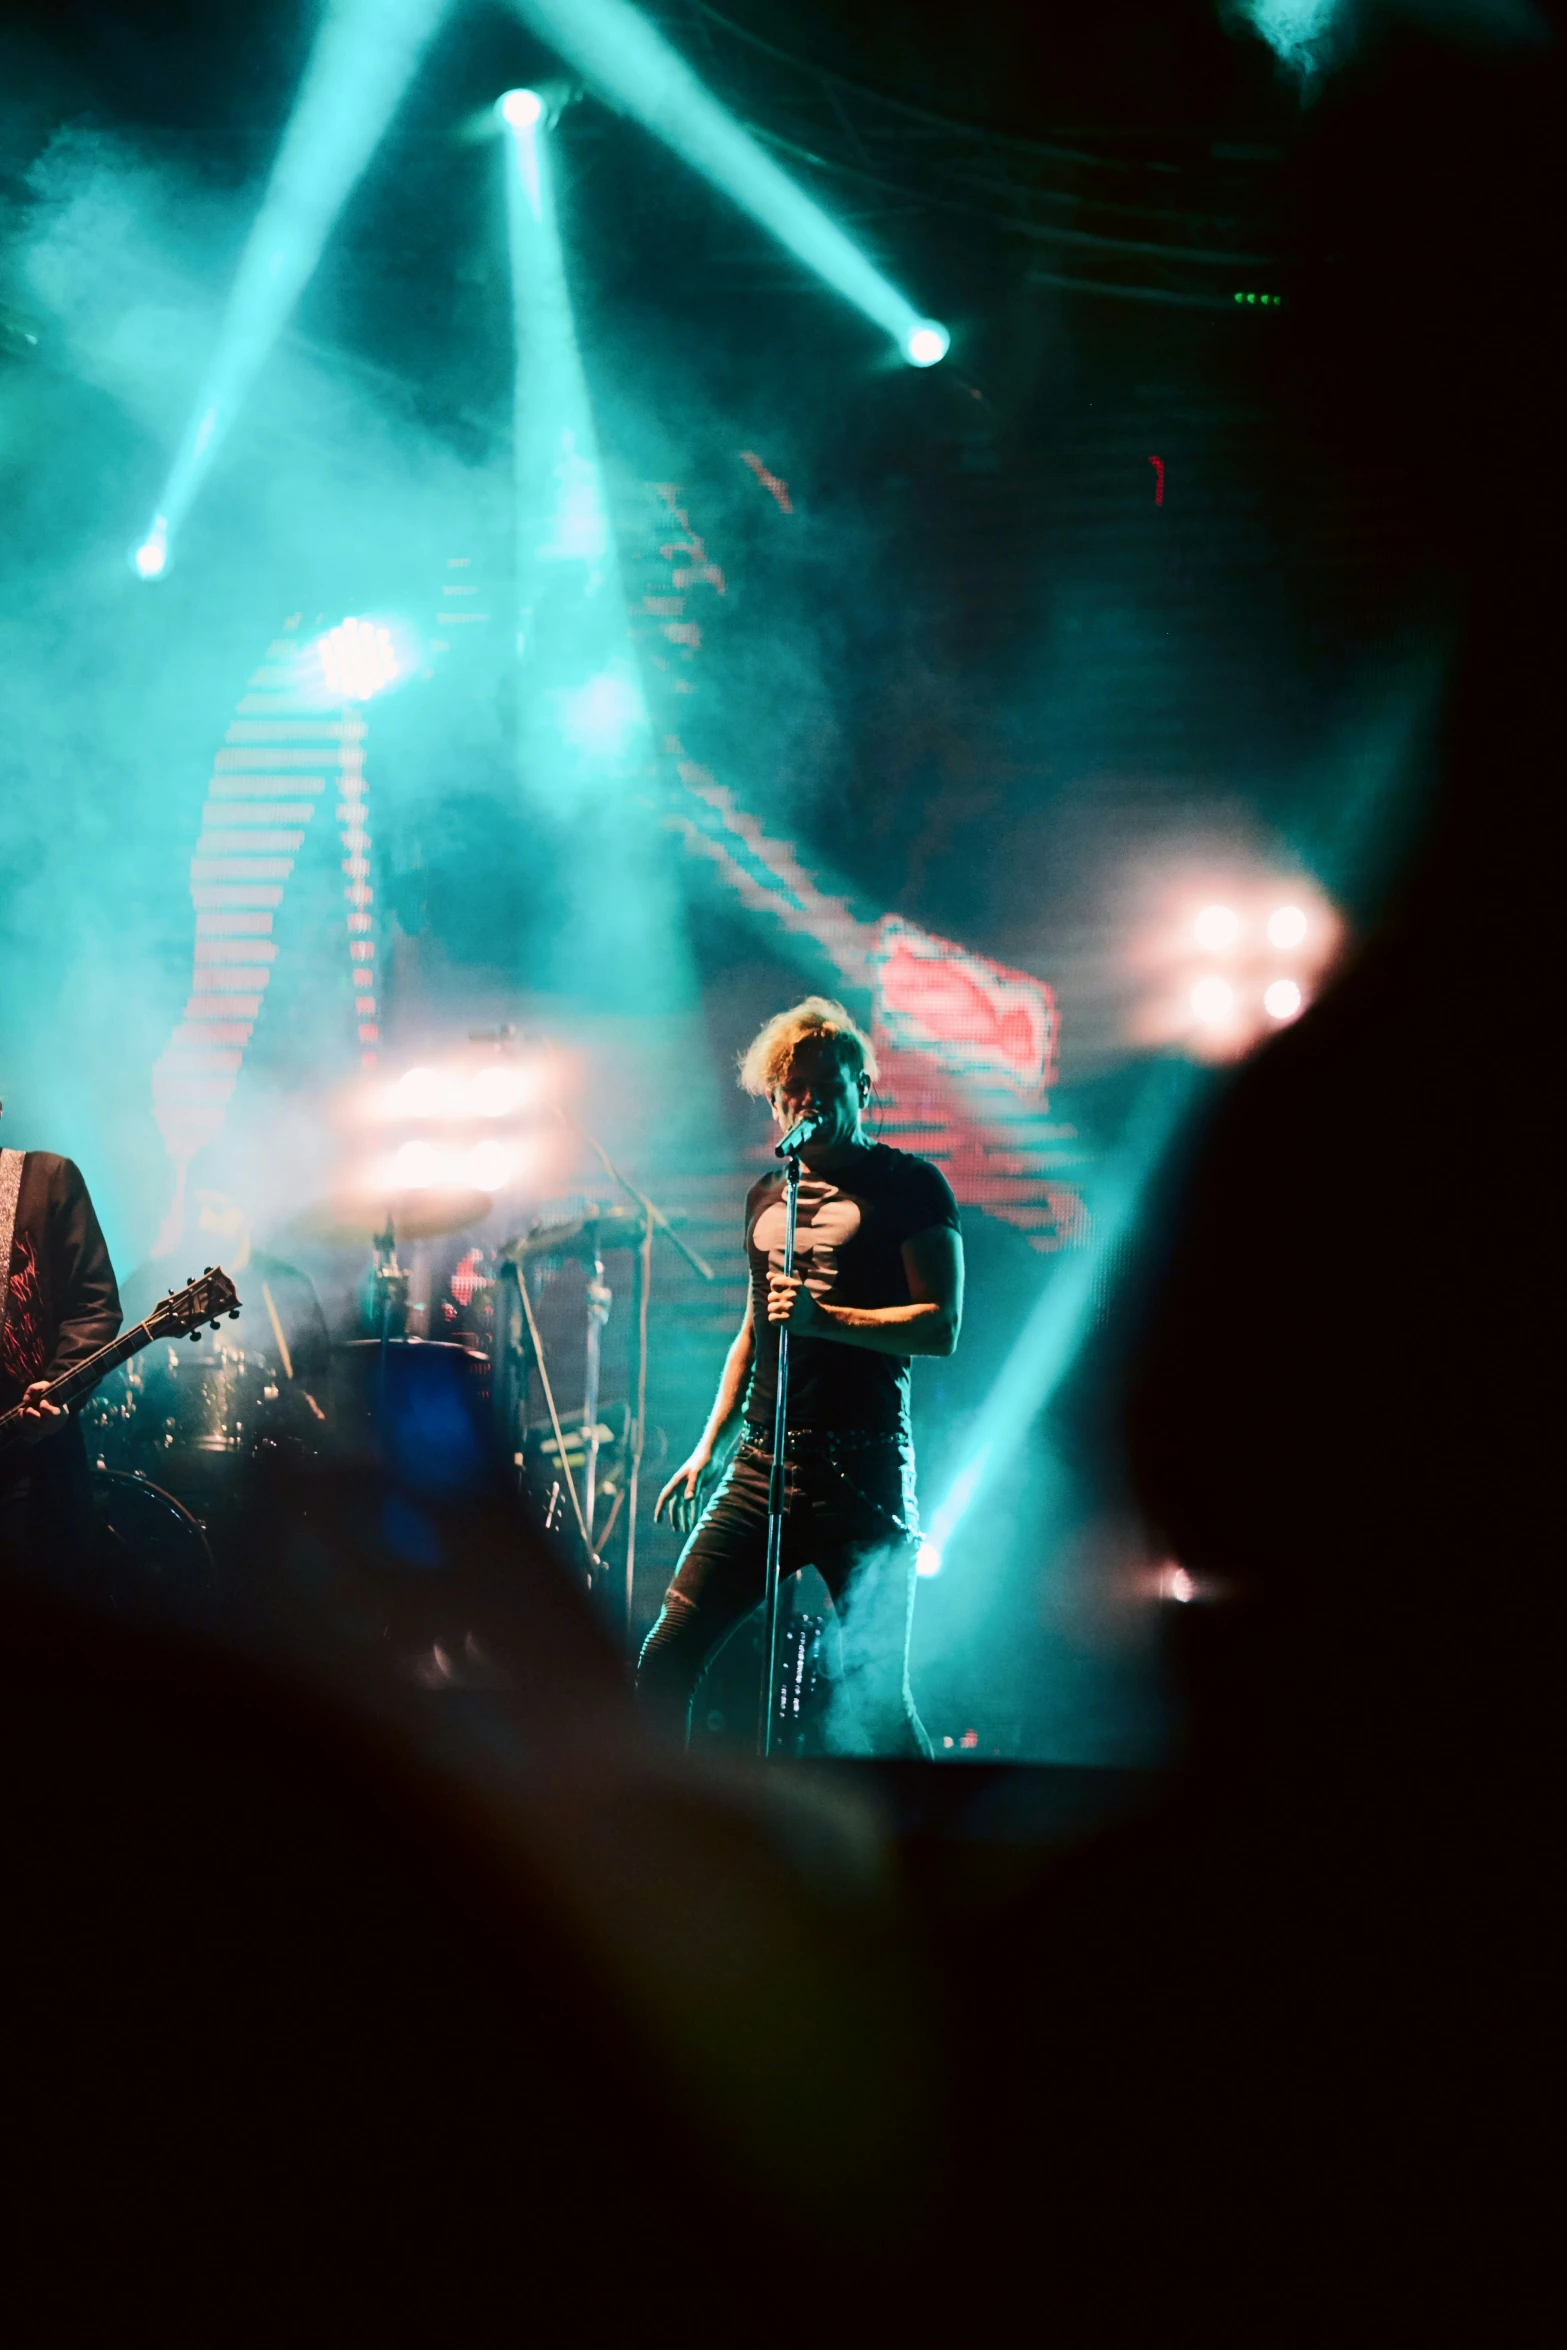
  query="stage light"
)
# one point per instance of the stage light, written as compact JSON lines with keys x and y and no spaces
{"x":497,"y":1091}
{"x":1286,"y":926}
{"x":1282,"y":1000}
{"x":1216,"y":928}
{"x":418,"y":1093}
{"x":364,"y":56}
{"x":415,"y":1166}
{"x":358,"y":660}
{"x":927,"y":1560}
{"x":1213,"y":1002}
{"x":453,"y":1095}
{"x":927,"y":344}
{"x":490,"y":1164}
{"x":152,"y":556}
{"x":617,"y":50}
{"x":1176,"y":1584}
{"x":521,"y":109}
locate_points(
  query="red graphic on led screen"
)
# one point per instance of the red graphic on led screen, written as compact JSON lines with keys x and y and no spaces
{"x":970,"y":1014}
{"x":953,"y":1031}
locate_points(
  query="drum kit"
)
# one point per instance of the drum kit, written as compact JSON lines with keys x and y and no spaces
{"x":171,"y":1436}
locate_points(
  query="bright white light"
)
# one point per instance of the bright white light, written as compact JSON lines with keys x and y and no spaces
{"x":1216,"y":928}
{"x":1286,"y":926}
{"x":603,"y":714}
{"x":1282,"y":1000}
{"x":416,"y":1166}
{"x":927,"y":1561}
{"x":1176,"y":1584}
{"x":151,"y":557}
{"x":490,"y":1164}
{"x":1213,"y":1002}
{"x":424,"y":1093}
{"x":358,"y":659}
{"x":927,"y":344}
{"x":521,"y":109}
{"x":496,"y":1092}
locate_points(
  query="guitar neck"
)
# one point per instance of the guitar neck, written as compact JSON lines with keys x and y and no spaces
{"x":84,"y":1376}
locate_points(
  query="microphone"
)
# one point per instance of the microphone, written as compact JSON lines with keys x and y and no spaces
{"x":798,"y":1136}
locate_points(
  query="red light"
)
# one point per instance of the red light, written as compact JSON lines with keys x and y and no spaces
{"x":991,"y":1020}
{"x":770,"y":482}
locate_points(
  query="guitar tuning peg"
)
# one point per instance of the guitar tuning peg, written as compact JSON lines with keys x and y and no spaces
{"x":194,"y":1336}
{"x":233,"y":1315}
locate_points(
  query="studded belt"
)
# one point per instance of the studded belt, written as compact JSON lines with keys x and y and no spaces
{"x":828,"y":1444}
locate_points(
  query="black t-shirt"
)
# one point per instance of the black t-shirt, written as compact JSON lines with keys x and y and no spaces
{"x":849,"y":1239}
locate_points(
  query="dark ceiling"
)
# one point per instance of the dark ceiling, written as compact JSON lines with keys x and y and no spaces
{"x":184,"y":64}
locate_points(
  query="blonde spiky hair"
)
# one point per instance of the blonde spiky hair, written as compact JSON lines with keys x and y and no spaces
{"x":767,"y":1059}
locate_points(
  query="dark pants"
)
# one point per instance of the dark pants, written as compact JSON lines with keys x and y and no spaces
{"x":48,"y":1533}
{"x":851,"y":1517}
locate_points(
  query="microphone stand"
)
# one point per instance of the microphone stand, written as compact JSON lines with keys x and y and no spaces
{"x":776,"y":1497}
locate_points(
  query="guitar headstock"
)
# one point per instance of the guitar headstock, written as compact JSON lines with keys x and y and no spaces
{"x":182,"y":1312}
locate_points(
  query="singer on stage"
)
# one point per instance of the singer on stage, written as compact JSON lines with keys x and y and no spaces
{"x":878,"y":1279}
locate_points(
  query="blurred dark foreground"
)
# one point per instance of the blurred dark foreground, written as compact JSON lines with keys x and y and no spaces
{"x":385,"y":1978}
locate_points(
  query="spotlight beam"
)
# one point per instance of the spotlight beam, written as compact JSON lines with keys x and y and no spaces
{"x":560,"y":491}
{"x":615,"y":48}
{"x":583,"y":736}
{"x":1048,"y":1344}
{"x":364,"y":57}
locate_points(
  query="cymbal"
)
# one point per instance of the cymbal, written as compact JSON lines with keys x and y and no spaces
{"x":430,"y":1215}
{"x":413,"y":1215}
{"x":603,"y":1228}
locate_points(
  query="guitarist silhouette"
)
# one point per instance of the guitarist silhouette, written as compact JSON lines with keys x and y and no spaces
{"x":58,"y":1305}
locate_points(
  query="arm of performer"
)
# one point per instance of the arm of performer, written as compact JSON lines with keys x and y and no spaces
{"x":929,"y":1325}
{"x":684,"y":1493}
{"x":83,"y":1283}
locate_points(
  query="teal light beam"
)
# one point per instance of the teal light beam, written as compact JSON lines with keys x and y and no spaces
{"x":572,"y":633}
{"x":630,"y":63}
{"x":364,"y":56}
{"x":584,"y":739}
{"x":1049,"y":1342}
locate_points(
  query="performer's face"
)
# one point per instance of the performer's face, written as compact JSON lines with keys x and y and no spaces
{"x":818,"y":1081}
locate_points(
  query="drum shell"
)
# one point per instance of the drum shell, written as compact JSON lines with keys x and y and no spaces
{"x":175,"y":1401}
{"x":155,"y":1560}
{"x":420,"y":1407}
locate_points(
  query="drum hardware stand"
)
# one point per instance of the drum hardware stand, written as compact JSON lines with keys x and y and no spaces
{"x":653,"y":1220}
{"x":389,"y":1290}
{"x":561,"y":1462}
{"x":777,"y":1494}
{"x":599,"y":1300}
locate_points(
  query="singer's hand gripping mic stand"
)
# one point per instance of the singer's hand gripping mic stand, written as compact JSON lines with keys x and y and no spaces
{"x":776,"y":1492}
